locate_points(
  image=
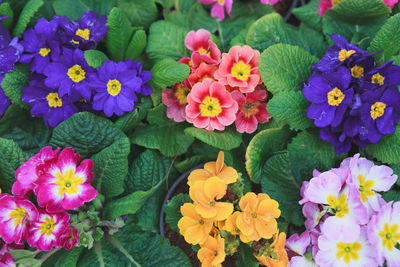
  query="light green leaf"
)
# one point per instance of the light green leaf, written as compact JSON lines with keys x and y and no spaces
{"x":387,"y":149}
{"x":74,"y":9}
{"x":5,"y":9}
{"x":225,"y":140}
{"x":13,"y":82}
{"x":11,"y":158}
{"x":87,"y":133}
{"x":26,"y":15}
{"x":136,"y":45}
{"x":168,"y":72}
{"x":290,"y":108}
{"x":118,"y":35}
{"x":95,"y":58}
{"x":387,"y":39}
{"x":111,"y":168}
{"x":309,"y":14}
{"x":139,"y":12}
{"x":261,"y":147}
{"x":169,"y":138}
{"x":285,"y":67}
{"x":173,"y":212}
{"x":166,"y":40}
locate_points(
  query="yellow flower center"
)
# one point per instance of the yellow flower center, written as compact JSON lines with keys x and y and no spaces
{"x":215,"y":253}
{"x":335,"y":2}
{"x":344,"y":54}
{"x":390,"y":236}
{"x":348,"y":251}
{"x":68,"y":182}
{"x":181,"y":93}
{"x":377,"y":110}
{"x":241,"y":71}
{"x":335,"y":97}
{"x":221,"y":2}
{"x":84,"y":34}
{"x":365,"y":188}
{"x":76,"y":73}
{"x":201,"y":222}
{"x":114,"y":87}
{"x":201,"y":50}
{"x":18,"y":215}
{"x":210,"y":107}
{"x":47,"y":226}
{"x":377,"y":78}
{"x":250,"y":108}
{"x":44,"y":51}
{"x":339,"y":205}
{"x":254,"y":215}
{"x":357,"y":71}
{"x":53,"y":100}
{"x":212,"y":203}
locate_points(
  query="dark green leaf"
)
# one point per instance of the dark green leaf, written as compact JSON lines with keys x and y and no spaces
{"x":14,"y":82}
{"x":387,"y":149}
{"x":225,"y":140}
{"x":168,"y":72}
{"x":95,"y":58}
{"x":139,"y":12}
{"x":75,"y":8}
{"x":5,"y":9}
{"x":26,"y":15}
{"x":136,"y":45}
{"x":309,"y":14}
{"x":173,"y":210}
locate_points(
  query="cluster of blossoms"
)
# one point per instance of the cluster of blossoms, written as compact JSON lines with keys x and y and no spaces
{"x":324,"y":5}
{"x":60,"y":182}
{"x":347,"y":221}
{"x":219,"y":226}
{"x":219,"y":6}
{"x":219,"y":91}
{"x":352,"y":100}
{"x":62,"y":83}
{"x":10,"y":52}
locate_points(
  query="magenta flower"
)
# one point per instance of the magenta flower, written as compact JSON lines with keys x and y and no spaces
{"x":202,"y":48}
{"x":16,"y":214}
{"x":7,"y":260}
{"x":270,"y":2}
{"x":70,"y":238}
{"x":218,"y":9}
{"x":252,"y":110}
{"x":45,"y":232}
{"x":175,"y":99}
{"x":29,"y":171}
{"x":66,"y":186}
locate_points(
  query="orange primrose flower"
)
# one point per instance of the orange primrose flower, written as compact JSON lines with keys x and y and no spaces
{"x":276,"y":255}
{"x":257,"y":219}
{"x":204,"y":194}
{"x":214,"y":168}
{"x":231,"y":227}
{"x":212,"y":252}
{"x":194,"y":228}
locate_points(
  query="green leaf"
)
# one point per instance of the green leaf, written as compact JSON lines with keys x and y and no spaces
{"x":136,"y":45}
{"x":11,"y":158}
{"x":309,"y":15}
{"x":167,"y":4}
{"x":173,"y":210}
{"x":131,"y":119}
{"x":13,"y":82}
{"x":391,"y":195}
{"x":184,"y":6}
{"x":290,"y":107}
{"x":261,"y":147}
{"x":309,"y":143}
{"x":87,"y":133}
{"x":166,"y":40}
{"x":26,"y":15}
{"x":95,"y":58}
{"x":139,"y":12}
{"x":387,"y":149}
{"x":70,"y":258}
{"x":5,"y":9}
{"x":168,"y":72}
{"x":387,"y":39}
{"x":199,"y":18}
{"x":284,"y":67}
{"x":315,"y":39}
{"x":169,"y":138}
{"x":74,"y":9}
{"x":225,"y":140}
{"x":111,"y":168}
{"x":245,"y":257}
{"x":359,"y":11}
{"x":118,"y":35}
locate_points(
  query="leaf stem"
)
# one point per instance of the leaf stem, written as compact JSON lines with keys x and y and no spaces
{"x":48,"y":255}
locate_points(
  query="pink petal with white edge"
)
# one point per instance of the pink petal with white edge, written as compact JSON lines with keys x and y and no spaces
{"x":67,"y":159}
{"x":48,"y":196}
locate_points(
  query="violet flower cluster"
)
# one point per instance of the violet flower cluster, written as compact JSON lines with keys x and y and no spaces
{"x":60,"y":181}
{"x":10,"y":51}
{"x":352,"y":100}
{"x":62,"y":83}
{"x":348,"y":223}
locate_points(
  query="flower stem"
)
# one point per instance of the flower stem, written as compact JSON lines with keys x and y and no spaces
{"x":48,"y":255}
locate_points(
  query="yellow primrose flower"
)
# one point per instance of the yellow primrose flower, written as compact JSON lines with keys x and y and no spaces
{"x":231,"y":227}
{"x":214,"y":168}
{"x":194,"y":228}
{"x":212,"y":252}
{"x":205,"y":193}
{"x":276,"y":255}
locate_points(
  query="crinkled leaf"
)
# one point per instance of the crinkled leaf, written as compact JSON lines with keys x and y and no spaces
{"x":75,"y":8}
{"x":5,"y":9}
{"x":261,"y":147}
{"x":26,"y":15}
{"x":168,"y":72}
{"x":309,"y":14}
{"x":139,"y":12}
{"x":387,"y":149}
{"x":131,"y":119}
{"x":111,"y":168}
{"x":173,"y":212}
{"x":70,"y":258}
{"x":290,"y":107}
{"x":285,"y":67}
{"x":225,"y":140}
{"x":87,"y":133}
{"x":95,"y":58}
{"x":13,"y":82}
{"x":387,"y":39}
{"x":136,"y":45}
